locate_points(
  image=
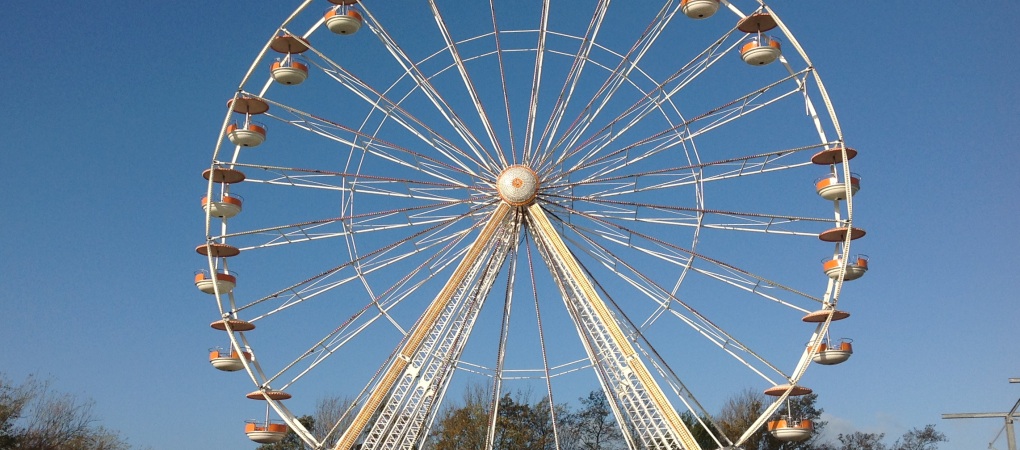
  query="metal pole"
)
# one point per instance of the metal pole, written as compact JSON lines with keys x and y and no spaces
{"x":1008,"y":416}
{"x":1010,"y":437}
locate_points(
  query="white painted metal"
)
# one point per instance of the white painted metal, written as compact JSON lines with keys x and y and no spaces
{"x":597,"y":190}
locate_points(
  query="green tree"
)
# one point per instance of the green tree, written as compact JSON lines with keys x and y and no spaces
{"x":593,"y":426}
{"x":329,"y":420}
{"x":704,"y":431}
{"x":520,"y":425}
{"x":464,"y":427}
{"x":34,"y":417}
{"x":541,"y":421}
{"x":926,"y":438}
{"x":857,"y":441}
{"x":13,"y":400}
{"x":740,"y":411}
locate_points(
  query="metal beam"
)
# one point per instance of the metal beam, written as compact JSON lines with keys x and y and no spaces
{"x":1006,"y":416}
{"x":979,"y":415}
{"x":421,"y":330}
{"x":596,"y":315}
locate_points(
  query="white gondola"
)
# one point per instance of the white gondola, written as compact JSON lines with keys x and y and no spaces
{"x":699,"y":9}
{"x":830,"y":188}
{"x":343,"y":19}
{"x":227,"y":361}
{"x":855,"y":267}
{"x":760,"y":50}
{"x":265,"y":432}
{"x":228,"y":206}
{"x":289,"y":70}
{"x":247,"y":134}
{"x":787,"y":429}
{"x":830,"y":355}
{"x":224,"y":282}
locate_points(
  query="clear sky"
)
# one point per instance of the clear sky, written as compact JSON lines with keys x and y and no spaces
{"x":112,"y":110}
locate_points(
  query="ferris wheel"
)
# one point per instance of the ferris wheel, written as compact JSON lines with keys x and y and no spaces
{"x":550,"y":197}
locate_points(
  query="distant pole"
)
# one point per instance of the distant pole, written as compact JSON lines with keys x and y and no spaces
{"x":1008,"y":417}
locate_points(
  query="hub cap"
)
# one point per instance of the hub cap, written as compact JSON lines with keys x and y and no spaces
{"x":517,"y":185}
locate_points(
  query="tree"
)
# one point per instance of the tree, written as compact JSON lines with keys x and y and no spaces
{"x":857,"y":441}
{"x":520,"y":425}
{"x":926,"y":438}
{"x":705,"y":434}
{"x":13,"y":400}
{"x":740,"y":411}
{"x":463,"y":427}
{"x":593,"y":426}
{"x":541,"y":422}
{"x":328,"y":412}
{"x":34,"y":417}
{"x":523,"y":426}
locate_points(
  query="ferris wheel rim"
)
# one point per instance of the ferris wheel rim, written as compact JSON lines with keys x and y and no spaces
{"x":226,"y":308}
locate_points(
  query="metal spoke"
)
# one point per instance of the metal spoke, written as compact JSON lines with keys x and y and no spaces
{"x":502,"y":79}
{"x":370,"y":144}
{"x":693,"y":173}
{"x":619,"y":75}
{"x":653,"y":98}
{"x":455,"y":54}
{"x":667,"y":299}
{"x":677,"y":134}
{"x":573,"y":77}
{"x":394,"y":111}
{"x":536,"y":83}
{"x":673,"y":215}
{"x":343,"y":334}
{"x":667,"y":245}
{"x":423,"y":82}
{"x":353,"y":262}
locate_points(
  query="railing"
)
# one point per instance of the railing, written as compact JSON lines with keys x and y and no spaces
{"x":221,"y":274}
{"x":760,"y":40}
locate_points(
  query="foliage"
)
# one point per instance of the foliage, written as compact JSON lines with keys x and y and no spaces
{"x":926,"y":438}
{"x":13,"y":400}
{"x":857,"y":441}
{"x":34,"y":417}
{"x":593,"y":426}
{"x":463,"y":427}
{"x":523,"y":425}
{"x":330,"y":411}
{"x":740,"y":411}
{"x":520,"y":424}
{"x":704,"y":430}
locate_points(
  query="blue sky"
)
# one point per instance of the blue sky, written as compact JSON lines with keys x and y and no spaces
{"x":112,"y":112}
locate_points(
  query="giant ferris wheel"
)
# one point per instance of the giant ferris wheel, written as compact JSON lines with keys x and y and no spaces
{"x":651,"y":200}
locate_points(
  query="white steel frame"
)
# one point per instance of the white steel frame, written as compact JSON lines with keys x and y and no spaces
{"x":599,"y":207}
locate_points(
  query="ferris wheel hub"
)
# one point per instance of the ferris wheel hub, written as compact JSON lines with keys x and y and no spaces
{"x":517,"y":185}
